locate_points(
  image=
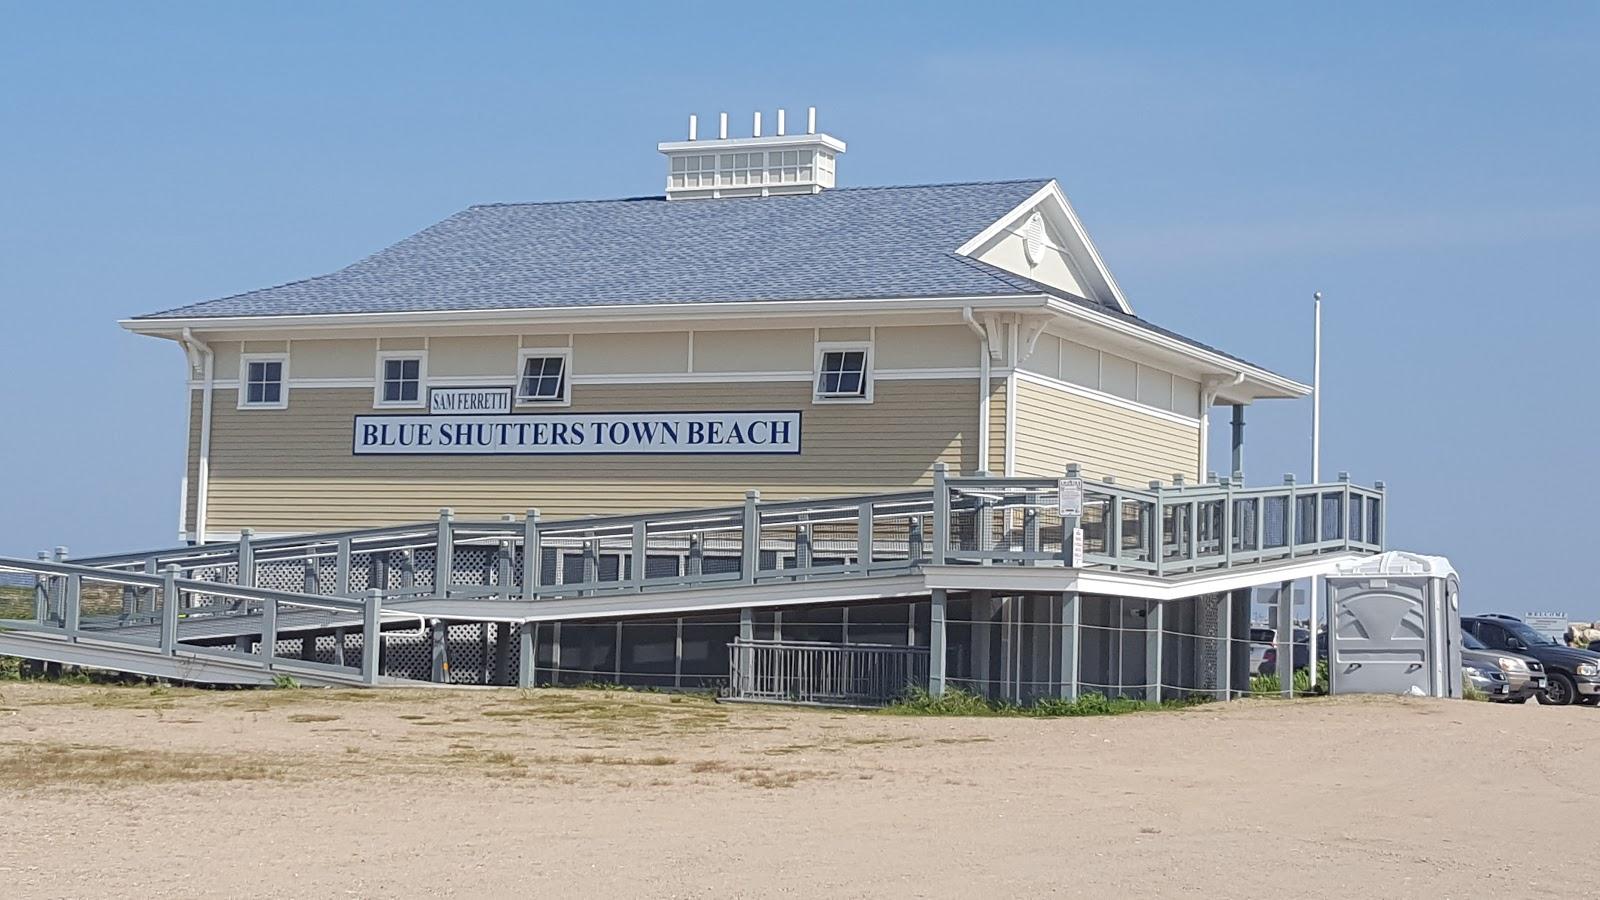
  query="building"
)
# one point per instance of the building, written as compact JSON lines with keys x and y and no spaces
{"x":762,"y":433}
{"x":863,"y":333}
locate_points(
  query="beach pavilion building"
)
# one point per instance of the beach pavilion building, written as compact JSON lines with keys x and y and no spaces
{"x":684,"y":387}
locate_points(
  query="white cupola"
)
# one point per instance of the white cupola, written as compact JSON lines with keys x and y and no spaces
{"x":755,"y":166}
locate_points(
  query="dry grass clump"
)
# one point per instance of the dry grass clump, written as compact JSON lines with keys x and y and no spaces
{"x":53,"y":764}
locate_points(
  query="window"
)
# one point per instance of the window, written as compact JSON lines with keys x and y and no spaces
{"x":788,"y":166}
{"x":844,"y":373}
{"x":542,"y":376}
{"x":741,"y":169}
{"x":694,"y":171}
{"x":263,"y":380}
{"x":400,"y":379}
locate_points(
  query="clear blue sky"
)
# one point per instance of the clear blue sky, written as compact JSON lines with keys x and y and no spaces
{"x":1430,"y":167}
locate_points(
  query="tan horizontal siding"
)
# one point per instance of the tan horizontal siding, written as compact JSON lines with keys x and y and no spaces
{"x":292,"y":469}
{"x":1055,"y":427}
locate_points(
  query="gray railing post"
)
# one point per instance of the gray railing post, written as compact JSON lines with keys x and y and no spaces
{"x":1030,"y":533}
{"x":864,"y":538}
{"x":750,"y":556}
{"x":1193,"y":533}
{"x":1383,"y":515}
{"x":697,"y":554}
{"x":639,"y":554}
{"x":71,"y":606}
{"x":169,"y":609}
{"x":591,"y":564}
{"x":341,"y":568}
{"x":982,"y":525}
{"x":1227,"y":523}
{"x":408,"y":568}
{"x":378,"y":570}
{"x":1290,"y":509}
{"x":941,"y":514}
{"x":502,"y":568}
{"x":444,"y":554}
{"x":1316,"y":518}
{"x":1070,"y":524}
{"x":1344,"y":508}
{"x":41,"y":593}
{"x":371,"y":635}
{"x":247,"y":558}
{"x":532,"y":555}
{"x":914,"y":541}
{"x":802,"y":547}
{"x":1114,"y":528}
{"x":269,"y":631}
{"x":58,"y":588}
{"x":1157,"y":529}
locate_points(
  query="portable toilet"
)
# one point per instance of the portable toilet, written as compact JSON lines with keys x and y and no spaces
{"x":1395,"y":626}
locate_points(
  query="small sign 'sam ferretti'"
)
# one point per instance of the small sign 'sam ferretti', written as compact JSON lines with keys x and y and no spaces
{"x":469,"y":400}
{"x":694,"y":433}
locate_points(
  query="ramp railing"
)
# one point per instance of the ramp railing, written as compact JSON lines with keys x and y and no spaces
{"x":167,"y":615}
{"x":959,"y":520}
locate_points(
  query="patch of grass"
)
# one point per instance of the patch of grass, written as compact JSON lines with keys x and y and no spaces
{"x":638,"y":713}
{"x":305,"y":718}
{"x":31,"y":765}
{"x":956,"y":702}
{"x":1468,"y":692}
{"x":1269,"y":685}
{"x":157,"y":698}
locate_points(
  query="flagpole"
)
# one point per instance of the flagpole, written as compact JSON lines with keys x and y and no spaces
{"x":1316,"y":470}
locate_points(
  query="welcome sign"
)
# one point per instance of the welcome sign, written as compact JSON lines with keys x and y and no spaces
{"x":569,"y":434}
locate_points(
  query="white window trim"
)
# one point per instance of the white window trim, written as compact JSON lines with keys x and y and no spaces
{"x":523,"y":356}
{"x":245,"y":359}
{"x":422,"y":380}
{"x":835,"y":347}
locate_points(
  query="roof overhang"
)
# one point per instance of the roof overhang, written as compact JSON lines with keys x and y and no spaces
{"x":1229,"y":380}
{"x":172,"y":327}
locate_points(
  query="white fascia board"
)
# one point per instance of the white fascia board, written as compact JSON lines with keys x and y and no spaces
{"x":1126,"y":584}
{"x":1051,"y":191}
{"x":665,"y":312}
{"x":1271,"y":383}
{"x":766,"y":142}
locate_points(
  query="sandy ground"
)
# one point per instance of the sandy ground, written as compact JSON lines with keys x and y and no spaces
{"x":140,"y":792}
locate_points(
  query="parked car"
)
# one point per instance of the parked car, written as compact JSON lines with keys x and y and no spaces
{"x":1524,"y":675}
{"x":1260,"y":645}
{"x":1486,"y":677}
{"x":1302,"y":652}
{"x":1573,"y":675}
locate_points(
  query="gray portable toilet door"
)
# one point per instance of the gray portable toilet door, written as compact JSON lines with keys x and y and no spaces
{"x":1380,"y":636}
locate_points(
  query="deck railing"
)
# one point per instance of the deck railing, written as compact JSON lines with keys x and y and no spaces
{"x":822,"y":673}
{"x":959,"y":520}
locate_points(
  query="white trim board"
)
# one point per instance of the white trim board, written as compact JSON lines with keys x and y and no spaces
{"x":1079,"y":390}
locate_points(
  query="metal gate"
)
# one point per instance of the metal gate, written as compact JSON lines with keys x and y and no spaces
{"x":822,"y":673}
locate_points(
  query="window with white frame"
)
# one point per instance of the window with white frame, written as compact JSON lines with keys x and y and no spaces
{"x":694,"y":171}
{"x":844,"y":373}
{"x":400,"y":379}
{"x":741,"y":168}
{"x":788,"y":166}
{"x":263,"y":381}
{"x":542,"y":376}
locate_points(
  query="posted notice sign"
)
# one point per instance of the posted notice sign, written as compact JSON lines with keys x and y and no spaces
{"x":571,"y":434}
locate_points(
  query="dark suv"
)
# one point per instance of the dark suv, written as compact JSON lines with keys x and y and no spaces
{"x":1574,"y":674}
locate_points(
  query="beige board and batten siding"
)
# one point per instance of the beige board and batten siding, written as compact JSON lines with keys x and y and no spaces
{"x":1056,"y":426}
{"x":292,"y":470}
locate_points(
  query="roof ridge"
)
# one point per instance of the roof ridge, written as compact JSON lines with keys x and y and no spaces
{"x":854,"y":189}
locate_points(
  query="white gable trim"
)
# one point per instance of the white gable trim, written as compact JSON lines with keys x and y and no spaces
{"x":1051,"y":194}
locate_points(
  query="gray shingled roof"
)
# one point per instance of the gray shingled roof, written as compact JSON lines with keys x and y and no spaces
{"x":842,"y":244}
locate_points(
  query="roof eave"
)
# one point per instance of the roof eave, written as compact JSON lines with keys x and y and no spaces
{"x":1257,"y":383}
{"x":171,"y":326}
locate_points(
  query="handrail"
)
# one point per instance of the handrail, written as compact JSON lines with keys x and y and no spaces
{"x":959,"y":520}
